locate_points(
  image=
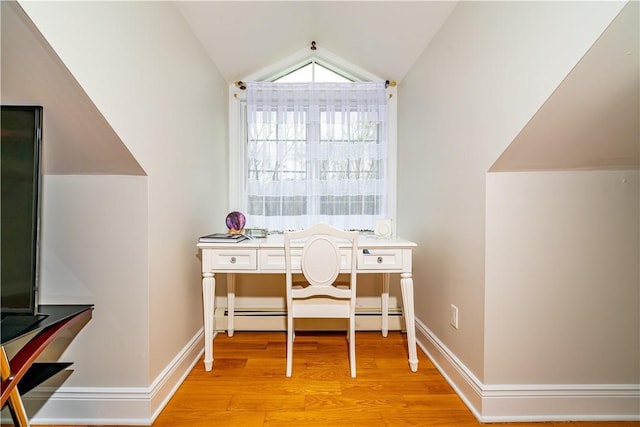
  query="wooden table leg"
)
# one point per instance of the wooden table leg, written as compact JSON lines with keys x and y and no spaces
{"x":16,"y":407}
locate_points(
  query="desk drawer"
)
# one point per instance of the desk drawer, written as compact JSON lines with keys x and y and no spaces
{"x":225,"y":259}
{"x":380,"y":259}
{"x":273,"y":259}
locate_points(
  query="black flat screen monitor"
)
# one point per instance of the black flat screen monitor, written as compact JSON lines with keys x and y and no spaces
{"x":20,"y":146}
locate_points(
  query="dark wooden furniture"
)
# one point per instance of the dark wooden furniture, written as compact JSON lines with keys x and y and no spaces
{"x":22,"y":373}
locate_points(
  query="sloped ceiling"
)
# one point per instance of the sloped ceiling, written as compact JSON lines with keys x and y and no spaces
{"x":77,"y":140}
{"x":592,"y":120}
{"x":383,"y":37}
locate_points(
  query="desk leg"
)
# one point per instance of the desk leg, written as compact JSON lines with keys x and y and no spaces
{"x":231,"y":302}
{"x":406,"y":284}
{"x":208,"y":300}
{"x":385,"y":304}
{"x":16,"y":407}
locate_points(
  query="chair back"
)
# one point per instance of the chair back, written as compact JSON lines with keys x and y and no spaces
{"x":326,"y":252}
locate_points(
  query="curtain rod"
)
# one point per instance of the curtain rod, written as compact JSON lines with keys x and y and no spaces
{"x":242,"y":85}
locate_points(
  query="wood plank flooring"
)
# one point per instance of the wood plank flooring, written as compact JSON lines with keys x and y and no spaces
{"x":247,"y":386}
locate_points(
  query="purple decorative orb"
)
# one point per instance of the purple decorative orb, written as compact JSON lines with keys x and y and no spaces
{"x":236,"y":221}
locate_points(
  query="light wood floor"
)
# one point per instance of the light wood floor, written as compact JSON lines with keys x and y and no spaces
{"x":247,"y":386}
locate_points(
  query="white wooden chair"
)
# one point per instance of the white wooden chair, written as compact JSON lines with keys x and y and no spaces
{"x":321,"y":252}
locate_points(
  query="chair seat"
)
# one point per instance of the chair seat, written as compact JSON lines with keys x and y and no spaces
{"x":321,"y":307}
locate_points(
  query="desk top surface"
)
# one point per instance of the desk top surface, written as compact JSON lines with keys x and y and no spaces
{"x":275,"y":241}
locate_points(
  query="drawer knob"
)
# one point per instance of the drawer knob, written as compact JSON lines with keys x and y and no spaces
{"x":233,"y":260}
{"x":379,"y":260}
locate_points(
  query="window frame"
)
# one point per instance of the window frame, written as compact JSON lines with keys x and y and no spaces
{"x":237,"y":120}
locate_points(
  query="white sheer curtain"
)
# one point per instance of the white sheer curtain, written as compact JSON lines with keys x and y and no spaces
{"x":316,"y":152}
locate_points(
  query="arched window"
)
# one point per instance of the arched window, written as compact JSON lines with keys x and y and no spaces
{"x":310,"y":144}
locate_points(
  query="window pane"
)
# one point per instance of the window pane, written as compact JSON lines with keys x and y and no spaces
{"x":278,"y":206}
{"x":323,"y":74}
{"x":312,"y":72}
{"x":316,"y":153}
{"x":304,"y":74}
{"x":350,"y":205}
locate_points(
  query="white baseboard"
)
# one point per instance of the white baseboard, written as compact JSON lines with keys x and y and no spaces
{"x":531,"y":402}
{"x":263,"y":319}
{"x":112,"y":405}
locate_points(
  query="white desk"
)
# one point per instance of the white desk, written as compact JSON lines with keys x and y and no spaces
{"x":375,"y":255}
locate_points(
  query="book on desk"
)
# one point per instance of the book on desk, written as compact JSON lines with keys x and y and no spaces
{"x":223,"y":238}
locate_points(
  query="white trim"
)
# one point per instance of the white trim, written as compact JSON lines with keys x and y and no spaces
{"x":530,"y":402}
{"x":113,"y":405}
{"x":565,"y":402}
{"x":464,"y":382}
{"x":236,"y":151}
{"x":392,"y":156}
{"x":322,"y":56}
{"x":275,"y":319}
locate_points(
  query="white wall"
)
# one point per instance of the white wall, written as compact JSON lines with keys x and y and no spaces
{"x":562,"y":286}
{"x":563,"y":283}
{"x":94,"y":251}
{"x":489,"y":69}
{"x":151,"y":79}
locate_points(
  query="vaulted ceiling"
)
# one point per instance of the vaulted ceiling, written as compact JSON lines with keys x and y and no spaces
{"x":590,"y":121}
{"x":383,"y":37}
{"x":33,"y":74}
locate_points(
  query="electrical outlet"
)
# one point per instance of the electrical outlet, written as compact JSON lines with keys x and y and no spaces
{"x":453,"y":316}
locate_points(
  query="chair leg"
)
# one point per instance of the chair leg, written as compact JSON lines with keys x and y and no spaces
{"x":289,"y":344}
